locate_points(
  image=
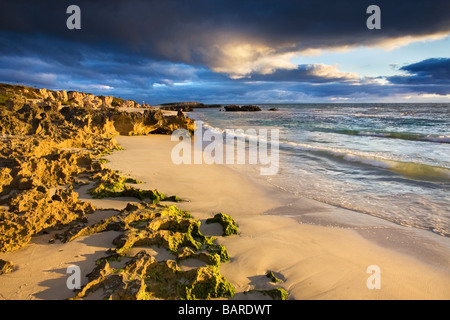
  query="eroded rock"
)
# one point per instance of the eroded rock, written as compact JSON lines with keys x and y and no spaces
{"x":228,"y":224}
{"x":6,"y":266}
{"x":168,"y":227}
{"x":50,"y":140}
{"x":34,"y":210}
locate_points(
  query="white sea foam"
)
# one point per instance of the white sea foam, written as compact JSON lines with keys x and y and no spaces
{"x":380,"y":163}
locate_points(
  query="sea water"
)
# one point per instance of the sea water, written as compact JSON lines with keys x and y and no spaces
{"x":387,"y":160}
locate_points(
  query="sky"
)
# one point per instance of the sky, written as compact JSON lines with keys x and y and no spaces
{"x":228,"y":51}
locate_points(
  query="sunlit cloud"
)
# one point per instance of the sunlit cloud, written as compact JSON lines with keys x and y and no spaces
{"x":239,"y":60}
{"x":331,"y":72}
{"x":398,"y":42}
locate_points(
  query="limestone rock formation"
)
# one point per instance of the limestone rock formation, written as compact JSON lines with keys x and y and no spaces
{"x":45,"y":144}
{"x":142,"y":277}
{"x":228,"y":224}
{"x":34,"y":210}
{"x":6,"y":266}
{"x":242,"y":108}
{"x":51,"y":141}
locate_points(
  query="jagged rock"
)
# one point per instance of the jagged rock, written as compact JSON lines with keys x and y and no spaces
{"x":106,"y":101}
{"x":145,"y":278}
{"x":228,"y":224}
{"x":272,"y":277}
{"x":43,"y":92}
{"x":45,"y":145}
{"x":32,"y":211}
{"x":57,"y":168}
{"x":5,"y":179}
{"x":15,"y":103}
{"x":151,"y":121}
{"x":187,"y":253}
{"x":147,"y":106}
{"x":6,"y":266}
{"x":275,"y":294}
{"x":128,"y":104}
{"x":177,"y":108}
{"x":62,"y":95}
{"x":75,"y":95}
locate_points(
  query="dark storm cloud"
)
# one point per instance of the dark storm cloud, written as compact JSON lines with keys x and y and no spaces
{"x":198,"y":31}
{"x":430,"y":71}
{"x":169,"y":50}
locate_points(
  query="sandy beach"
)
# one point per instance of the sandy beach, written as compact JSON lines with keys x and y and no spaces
{"x":318,"y":251}
{"x":208,"y":152}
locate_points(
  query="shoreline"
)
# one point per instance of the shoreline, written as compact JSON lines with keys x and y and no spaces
{"x":414,"y":259}
{"x":319,"y":251}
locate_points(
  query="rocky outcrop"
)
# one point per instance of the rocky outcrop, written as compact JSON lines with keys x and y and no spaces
{"x":6,"y":266}
{"x":46,"y":145}
{"x":129,"y":104}
{"x":142,"y":277}
{"x":36,"y":209}
{"x":51,"y":141}
{"x":106,"y":101}
{"x":15,"y":103}
{"x":177,"y":108}
{"x":242,"y":108}
{"x":184,"y":106}
{"x":151,"y":121}
{"x":61,"y":95}
{"x":228,"y":224}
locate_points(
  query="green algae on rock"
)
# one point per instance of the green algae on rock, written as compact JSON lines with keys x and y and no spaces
{"x":275,"y":293}
{"x":228,"y":224}
{"x":144,"y":278}
{"x":6,"y":266}
{"x":144,"y":225}
{"x":272,"y":277}
{"x":51,"y":140}
{"x":112,"y":185}
{"x":206,"y":283}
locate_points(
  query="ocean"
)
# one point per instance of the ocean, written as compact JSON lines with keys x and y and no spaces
{"x":391,"y":161}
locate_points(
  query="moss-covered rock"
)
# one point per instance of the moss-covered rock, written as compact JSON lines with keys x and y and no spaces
{"x":275,"y":293}
{"x":143,"y":277}
{"x":112,"y":185}
{"x":228,"y":224}
{"x":272,"y":277}
{"x":209,"y":258}
{"x":207,"y":283}
{"x":6,"y":266}
{"x":52,"y":141}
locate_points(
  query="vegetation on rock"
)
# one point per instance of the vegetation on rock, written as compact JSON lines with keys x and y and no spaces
{"x":272,"y":277}
{"x":112,"y":185}
{"x":228,"y":224}
{"x":275,"y":294}
{"x":52,"y":141}
{"x":144,"y":225}
{"x":6,"y":266}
